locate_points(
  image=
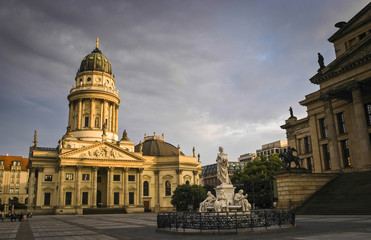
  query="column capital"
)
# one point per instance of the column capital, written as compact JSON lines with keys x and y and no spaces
{"x":179,"y":171}
{"x":156,"y":172}
{"x":79,"y":167}
{"x":126,"y":169}
{"x":325,"y":97}
{"x":62,"y":167}
{"x":95,"y":168}
{"x":140,"y":170}
{"x":40,"y":169}
{"x":195,"y":172}
{"x":111,"y":169}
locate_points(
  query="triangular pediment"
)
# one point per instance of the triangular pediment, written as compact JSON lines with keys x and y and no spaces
{"x":102,"y":151}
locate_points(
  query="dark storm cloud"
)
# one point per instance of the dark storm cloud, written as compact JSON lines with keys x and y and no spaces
{"x":206,"y":73}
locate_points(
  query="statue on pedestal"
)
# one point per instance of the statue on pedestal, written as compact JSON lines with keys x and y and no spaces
{"x":222,"y":203}
{"x":241,"y":200}
{"x":208,"y":202}
{"x":222,"y":167}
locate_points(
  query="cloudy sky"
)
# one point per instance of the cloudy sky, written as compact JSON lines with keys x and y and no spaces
{"x":206,"y":73}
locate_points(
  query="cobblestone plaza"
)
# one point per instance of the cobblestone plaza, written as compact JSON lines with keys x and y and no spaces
{"x":143,"y":226}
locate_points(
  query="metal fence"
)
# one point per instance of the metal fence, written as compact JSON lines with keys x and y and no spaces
{"x":227,"y":220}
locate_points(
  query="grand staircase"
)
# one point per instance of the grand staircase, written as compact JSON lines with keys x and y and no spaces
{"x":349,"y":193}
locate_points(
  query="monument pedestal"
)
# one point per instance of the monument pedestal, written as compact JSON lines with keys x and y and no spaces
{"x":228,"y":191}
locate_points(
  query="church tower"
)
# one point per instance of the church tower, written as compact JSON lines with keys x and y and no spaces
{"x":93,"y":100}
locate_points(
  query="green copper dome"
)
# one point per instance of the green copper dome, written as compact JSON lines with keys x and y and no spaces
{"x":95,"y":61}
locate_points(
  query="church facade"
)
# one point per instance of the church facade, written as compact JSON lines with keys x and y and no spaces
{"x":92,"y":167}
{"x":336,"y":134}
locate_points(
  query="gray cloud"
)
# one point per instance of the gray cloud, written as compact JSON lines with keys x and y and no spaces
{"x":205,"y":73}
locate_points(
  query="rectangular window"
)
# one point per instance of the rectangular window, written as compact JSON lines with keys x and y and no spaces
{"x":85,"y":197}
{"x":48,"y":178}
{"x":368,"y":113}
{"x":68,"y":198}
{"x":47,"y":199}
{"x":326,"y":156}
{"x":307,"y":145}
{"x":69,"y":176}
{"x":86,"y":121}
{"x":131,"y":197}
{"x":345,"y":151}
{"x":323,"y":128}
{"x":116,"y":198}
{"x":132,"y":178}
{"x":86,"y":177}
{"x":341,"y":123}
{"x":116,"y":178}
{"x":309,"y":164}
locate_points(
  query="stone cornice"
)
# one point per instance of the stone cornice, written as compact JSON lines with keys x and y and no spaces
{"x":355,"y":57}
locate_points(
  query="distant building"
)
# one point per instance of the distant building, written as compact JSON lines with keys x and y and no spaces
{"x":209,"y":172}
{"x":335,"y":136}
{"x":279,"y":146}
{"x":13,"y":179}
{"x":247,"y":157}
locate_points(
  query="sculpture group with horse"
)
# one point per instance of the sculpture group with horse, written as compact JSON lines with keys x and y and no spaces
{"x":288,"y":158}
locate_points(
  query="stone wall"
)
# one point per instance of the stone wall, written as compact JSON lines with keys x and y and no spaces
{"x":295,"y":188}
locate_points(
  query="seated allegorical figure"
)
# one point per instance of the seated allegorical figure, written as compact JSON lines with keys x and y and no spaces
{"x":221,"y":203}
{"x":208,"y":202}
{"x":241,"y":200}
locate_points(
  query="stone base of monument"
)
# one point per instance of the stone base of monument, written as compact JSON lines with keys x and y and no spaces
{"x":228,"y":191}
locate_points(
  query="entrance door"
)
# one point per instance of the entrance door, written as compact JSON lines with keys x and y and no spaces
{"x":99,"y":198}
{"x":146,"y":206}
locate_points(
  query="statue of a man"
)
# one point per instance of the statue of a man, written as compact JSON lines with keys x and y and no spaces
{"x":321,"y":61}
{"x":291,"y":112}
{"x":208,"y":202}
{"x":222,"y":167}
{"x":241,"y":200}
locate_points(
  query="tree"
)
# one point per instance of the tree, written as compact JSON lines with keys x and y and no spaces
{"x":256,"y":179}
{"x":185,"y":195}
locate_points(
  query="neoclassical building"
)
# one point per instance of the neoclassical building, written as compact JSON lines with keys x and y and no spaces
{"x":336,"y":134}
{"x":92,"y":167}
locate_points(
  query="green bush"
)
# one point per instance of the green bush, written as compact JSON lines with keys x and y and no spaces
{"x":185,"y":195}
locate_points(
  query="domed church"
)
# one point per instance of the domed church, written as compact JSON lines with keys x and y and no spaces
{"x":92,"y":169}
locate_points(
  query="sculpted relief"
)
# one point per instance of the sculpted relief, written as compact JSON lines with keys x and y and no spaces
{"x":102,"y":152}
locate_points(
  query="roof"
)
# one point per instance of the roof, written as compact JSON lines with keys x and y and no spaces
{"x":350,"y":25}
{"x":95,"y":61}
{"x":8,"y":160}
{"x":157,"y":147}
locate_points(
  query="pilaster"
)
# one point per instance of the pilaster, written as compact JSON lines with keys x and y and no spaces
{"x":363,"y":143}
{"x":60,"y":187}
{"x":126,"y":186}
{"x":77,"y":186}
{"x":95,"y":187}
{"x":332,"y":136}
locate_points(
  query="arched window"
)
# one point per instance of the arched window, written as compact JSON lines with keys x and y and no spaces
{"x":145,"y":188}
{"x":187,"y":182}
{"x":97,"y":122}
{"x":167,"y":188}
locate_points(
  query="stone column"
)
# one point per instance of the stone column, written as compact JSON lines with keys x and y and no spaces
{"x":110,"y":118}
{"x":113,"y":118}
{"x":39,"y":193}
{"x":179,"y":174}
{"x":195,"y":177}
{"x":102,"y":114}
{"x":70,"y":117}
{"x":117,"y":118}
{"x":140,"y":172}
{"x":92,"y":113}
{"x":60,"y":187}
{"x":157,"y":190}
{"x":126,"y":186}
{"x":77,"y":186}
{"x":363,"y":140}
{"x":79,"y":115}
{"x":95,"y":187}
{"x":110,"y":186}
{"x":31,"y":189}
{"x":331,"y":135}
